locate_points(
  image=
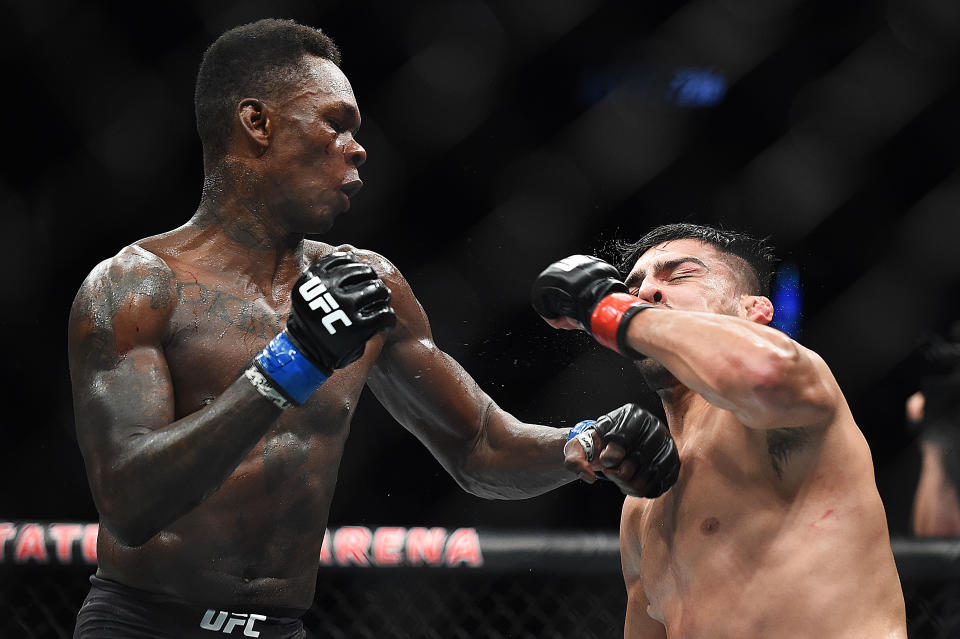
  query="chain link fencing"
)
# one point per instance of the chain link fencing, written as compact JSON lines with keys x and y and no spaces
{"x":531,"y":586}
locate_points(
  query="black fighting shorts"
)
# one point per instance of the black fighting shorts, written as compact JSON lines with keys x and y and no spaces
{"x":115,"y":611}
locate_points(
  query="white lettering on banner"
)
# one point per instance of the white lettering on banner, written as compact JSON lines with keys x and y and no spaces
{"x":385,"y":546}
{"x":47,"y":544}
{"x":7,"y":531}
{"x":230,"y":621}
{"x":396,"y":546}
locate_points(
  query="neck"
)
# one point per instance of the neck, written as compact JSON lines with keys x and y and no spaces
{"x":233,"y":199}
{"x":677,"y":399}
{"x":234,"y":216}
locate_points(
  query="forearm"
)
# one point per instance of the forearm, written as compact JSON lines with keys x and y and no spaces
{"x":158,"y":475}
{"x":513,"y":460}
{"x":755,"y":371}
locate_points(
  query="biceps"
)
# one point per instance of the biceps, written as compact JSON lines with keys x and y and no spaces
{"x":114,"y":404}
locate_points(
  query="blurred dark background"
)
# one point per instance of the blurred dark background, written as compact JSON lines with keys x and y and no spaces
{"x":503,"y":135}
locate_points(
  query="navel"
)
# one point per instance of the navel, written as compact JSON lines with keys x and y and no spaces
{"x":710,"y":526}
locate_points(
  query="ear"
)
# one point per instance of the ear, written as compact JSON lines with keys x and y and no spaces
{"x":255,"y":123}
{"x":757,"y":308}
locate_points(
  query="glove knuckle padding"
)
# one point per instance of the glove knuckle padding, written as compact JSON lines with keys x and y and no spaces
{"x":648,"y":444}
{"x":552,"y":302}
{"x":355,"y":276}
{"x":573,"y":286}
{"x":337,"y":305}
{"x":333,"y":261}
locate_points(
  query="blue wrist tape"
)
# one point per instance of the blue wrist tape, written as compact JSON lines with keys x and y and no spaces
{"x":289,"y":369}
{"x":580,"y":427}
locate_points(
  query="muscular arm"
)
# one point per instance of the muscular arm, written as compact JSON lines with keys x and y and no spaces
{"x":487,"y":451}
{"x":146,"y":469}
{"x":758,"y":373}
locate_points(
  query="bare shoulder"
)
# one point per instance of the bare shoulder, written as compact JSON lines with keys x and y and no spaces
{"x":133,"y":287}
{"x":818,"y":362}
{"x":389,"y":273}
{"x":384,"y":267}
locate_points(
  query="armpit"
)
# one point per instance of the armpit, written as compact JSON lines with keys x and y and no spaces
{"x":783,"y":443}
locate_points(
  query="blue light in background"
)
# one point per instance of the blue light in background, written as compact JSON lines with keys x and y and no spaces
{"x":695,"y":87}
{"x":787,"y":298}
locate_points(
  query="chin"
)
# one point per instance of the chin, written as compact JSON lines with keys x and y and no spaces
{"x":318,"y":224}
{"x":656,"y":374}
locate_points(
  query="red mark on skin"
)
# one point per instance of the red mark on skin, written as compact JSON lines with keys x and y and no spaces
{"x":825,"y":515}
{"x":195,"y":280}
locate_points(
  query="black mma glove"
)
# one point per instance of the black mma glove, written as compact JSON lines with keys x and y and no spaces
{"x":337,"y":305}
{"x":645,"y":439}
{"x":589,"y":292}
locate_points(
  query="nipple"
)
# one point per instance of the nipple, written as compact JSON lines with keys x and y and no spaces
{"x":710,"y":525}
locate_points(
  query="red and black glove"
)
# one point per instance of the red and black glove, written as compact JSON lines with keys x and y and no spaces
{"x":589,"y":292}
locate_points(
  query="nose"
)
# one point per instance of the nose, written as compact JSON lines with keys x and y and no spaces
{"x":650,"y":292}
{"x":356,"y":154}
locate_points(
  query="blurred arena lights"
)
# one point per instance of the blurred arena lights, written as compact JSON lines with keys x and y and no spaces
{"x":787,"y":300}
{"x":693,"y":87}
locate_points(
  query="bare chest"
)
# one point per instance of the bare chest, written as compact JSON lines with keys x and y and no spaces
{"x":726,"y":493}
{"x":215,"y":332}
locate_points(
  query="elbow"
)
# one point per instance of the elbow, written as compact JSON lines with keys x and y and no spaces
{"x":478,"y":485}
{"x":132,"y":537}
{"x":773,"y":369}
{"x":128,"y":522}
{"x":129,"y":531}
{"x":787,"y":389}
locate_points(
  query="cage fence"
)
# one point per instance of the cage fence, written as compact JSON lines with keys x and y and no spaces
{"x":464,"y":583}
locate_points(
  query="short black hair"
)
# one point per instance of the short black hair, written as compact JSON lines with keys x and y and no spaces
{"x":262,"y":59}
{"x":757,"y":253}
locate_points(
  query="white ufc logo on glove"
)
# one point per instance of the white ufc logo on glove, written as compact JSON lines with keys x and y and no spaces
{"x":567,"y":264}
{"x":229,"y":621}
{"x":314,"y":292}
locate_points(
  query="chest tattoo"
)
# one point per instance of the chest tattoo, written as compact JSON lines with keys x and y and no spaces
{"x":245,"y":315}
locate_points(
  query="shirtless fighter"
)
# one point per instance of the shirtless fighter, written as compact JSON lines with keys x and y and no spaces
{"x":216,"y":367}
{"x":774,"y":527}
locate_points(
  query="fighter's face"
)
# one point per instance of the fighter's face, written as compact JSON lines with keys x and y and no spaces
{"x":311,"y":165}
{"x":684,"y":275}
{"x":687,"y":275}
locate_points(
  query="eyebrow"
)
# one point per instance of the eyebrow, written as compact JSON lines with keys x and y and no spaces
{"x":664,"y":265}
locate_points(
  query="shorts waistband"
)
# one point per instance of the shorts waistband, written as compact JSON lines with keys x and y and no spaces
{"x":123,"y":590}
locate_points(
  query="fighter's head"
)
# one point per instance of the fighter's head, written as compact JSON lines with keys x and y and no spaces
{"x":270,"y":96}
{"x":699,"y":267}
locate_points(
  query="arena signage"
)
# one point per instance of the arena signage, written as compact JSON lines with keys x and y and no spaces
{"x":64,"y":543}
{"x":390,"y":546}
{"x":72,"y":543}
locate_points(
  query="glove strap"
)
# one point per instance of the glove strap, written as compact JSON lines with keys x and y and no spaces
{"x":610,"y":319}
{"x":286,"y":372}
{"x":585,"y":438}
{"x":580,"y":427}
